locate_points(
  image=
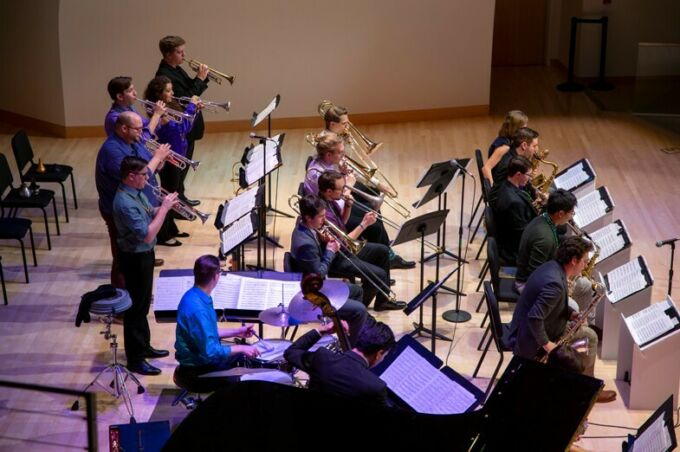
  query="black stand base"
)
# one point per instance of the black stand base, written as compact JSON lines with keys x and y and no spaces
{"x":448,"y":290}
{"x":443,"y":254}
{"x":456,"y":316}
{"x":421,"y":331}
{"x":274,"y":212}
{"x":271,"y":240}
{"x":570,"y":87}
{"x":601,"y":85}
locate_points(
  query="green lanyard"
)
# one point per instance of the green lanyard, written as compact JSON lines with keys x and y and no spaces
{"x":553,"y":228}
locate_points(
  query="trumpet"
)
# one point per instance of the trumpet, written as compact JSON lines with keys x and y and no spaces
{"x":374,"y":204}
{"x":212,"y":107}
{"x":174,"y":158}
{"x":181,"y":208}
{"x":213,"y":75}
{"x":349,"y":244}
{"x":173,"y":115}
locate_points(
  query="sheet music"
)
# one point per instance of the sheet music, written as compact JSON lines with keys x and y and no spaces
{"x":225,"y":294}
{"x":651,"y":322}
{"x":267,"y":110}
{"x":424,"y":387}
{"x":656,"y":438}
{"x":235,"y":234}
{"x":255,"y":168}
{"x":625,"y":280}
{"x":239,"y":206}
{"x":573,"y":177}
{"x":610,"y":240}
{"x":271,"y":148}
{"x":260,"y":294}
{"x":169,"y":291}
{"x":589,"y":208}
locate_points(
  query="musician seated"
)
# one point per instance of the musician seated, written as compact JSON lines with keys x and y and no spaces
{"x":197,"y":346}
{"x":371,"y":263}
{"x":345,"y":374}
{"x":124,"y":95}
{"x":512,"y":209}
{"x":524,"y":144}
{"x":514,"y":120}
{"x":541,"y":317}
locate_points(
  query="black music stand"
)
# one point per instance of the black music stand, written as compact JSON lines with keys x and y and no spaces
{"x":414,"y":229}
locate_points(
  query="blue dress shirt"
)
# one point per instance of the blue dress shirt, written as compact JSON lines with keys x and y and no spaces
{"x":132,"y":214}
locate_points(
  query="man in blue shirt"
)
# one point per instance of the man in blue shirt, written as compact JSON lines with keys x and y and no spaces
{"x":137,"y":223}
{"x":123,"y":143}
{"x":197,"y":347}
{"x":123,"y":94}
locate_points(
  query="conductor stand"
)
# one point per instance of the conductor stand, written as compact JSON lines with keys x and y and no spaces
{"x":416,"y":229}
{"x":457,"y":315}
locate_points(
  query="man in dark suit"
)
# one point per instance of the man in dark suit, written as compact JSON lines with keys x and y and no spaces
{"x":513,"y":209}
{"x":172,"y":48}
{"x":345,"y":374}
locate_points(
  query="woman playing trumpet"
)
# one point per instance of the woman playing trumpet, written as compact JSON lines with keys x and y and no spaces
{"x":175,"y":134}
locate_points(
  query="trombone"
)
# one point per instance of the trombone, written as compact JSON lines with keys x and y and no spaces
{"x":174,"y":158}
{"x":374,"y":204}
{"x":349,"y":244}
{"x":173,"y":115}
{"x":213,"y":107}
{"x":353,"y":134}
{"x":181,"y":208}
{"x":213,"y":75}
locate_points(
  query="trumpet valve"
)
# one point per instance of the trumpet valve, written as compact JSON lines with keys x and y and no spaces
{"x":194,"y":164}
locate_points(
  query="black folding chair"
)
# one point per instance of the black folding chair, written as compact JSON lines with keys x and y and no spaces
{"x":54,"y":172}
{"x":16,"y":229}
{"x":2,"y":280}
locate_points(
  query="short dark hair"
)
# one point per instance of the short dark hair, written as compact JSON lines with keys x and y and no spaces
{"x":518,"y":164}
{"x":169,"y":44}
{"x":125,"y":118}
{"x":117,"y":85}
{"x":326,"y":142}
{"x":310,"y":206}
{"x":333,"y":114}
{"x":154,"y":90}
{"x":565,"y":357}
{"x":560,"y":199}
{"x":327,"y":180}
{"x":131,"y":164}
{"x":205,"y":269}
{"x":523,"y":135}
{"x":374,"y":337}
{"x":572,"y":247}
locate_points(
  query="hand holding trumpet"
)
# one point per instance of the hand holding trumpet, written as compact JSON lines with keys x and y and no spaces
{"x":202,"y":71}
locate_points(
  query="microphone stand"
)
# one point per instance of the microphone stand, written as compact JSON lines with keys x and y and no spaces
{"x":670,"y":271}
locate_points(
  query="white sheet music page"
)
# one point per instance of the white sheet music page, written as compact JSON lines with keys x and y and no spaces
{"x":626,"y":280}
{"x":589,"y":208}
{"x":253,"y":294}
{"x":280,"y":292}
{"x":651,"y":322}
{"x":169,"y":291}
{"x":609,"y":239}
{"x":572,"y":177}
{"x":236,"y":233}
{"x":655,"y":438}
{"x":424,"y":387}
{"x":255,"y":168}
{"x":239,"y":206}
{"x":225,"y":294}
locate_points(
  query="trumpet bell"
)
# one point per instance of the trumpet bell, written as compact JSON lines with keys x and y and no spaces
{"x":203,"y":216}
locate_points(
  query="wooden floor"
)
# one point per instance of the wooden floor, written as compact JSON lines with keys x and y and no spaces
{"x":40,"y":343}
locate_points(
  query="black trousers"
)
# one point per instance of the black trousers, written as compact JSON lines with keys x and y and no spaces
{"x":137,"y":269}
{"x":373,"y":260}
{"x":170,"y":180}
{"x":376,"y":232}
{"x":184,"y":172}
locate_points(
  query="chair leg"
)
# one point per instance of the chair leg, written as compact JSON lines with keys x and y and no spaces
{"x":63,"y":195}
{"x":30,"y":231}
{"x":486,"y":316}
{"x":481,"y":359}
{"x":481,"y":247}
{"x":482,"y":270}
{"x":56,"y":216}
{"x":73,"y":187}
{"x":47,"y":229}
{"x":474,"y":213}
{"x":23,"y":254}
{"x":493,"y":377}
{"x":479,"y":223}
{"x":486,"y":331}
{"x":481,"y":279}
{"x":481,"y":300}
{"x":2,"y":281}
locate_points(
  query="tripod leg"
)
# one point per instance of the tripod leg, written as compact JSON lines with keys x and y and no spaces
{"x":122,"y":388}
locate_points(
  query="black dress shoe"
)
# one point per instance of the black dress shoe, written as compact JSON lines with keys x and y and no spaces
{"x":390,"y":306}
{"x":155,"y":353}
{"x":158,"y":262}
{"x":398,"y":262}
{"x":392,"y":282}
{"x":182,"y":235}
{"x":191,"y":202}
{"x":171,"y":242}
{"x":143,"y":368}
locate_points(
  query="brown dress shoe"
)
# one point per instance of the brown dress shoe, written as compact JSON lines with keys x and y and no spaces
{"x":606,"y":396}
{"x":158,"y":262}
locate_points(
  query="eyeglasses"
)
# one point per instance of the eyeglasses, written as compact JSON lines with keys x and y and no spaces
{"x":144,"y":173}
{"x":135,"y":128}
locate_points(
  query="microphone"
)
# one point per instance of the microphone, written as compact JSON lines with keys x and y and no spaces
{"x":661,"y":243}
{"x":462,"y":168}
{"x":261,"y":137}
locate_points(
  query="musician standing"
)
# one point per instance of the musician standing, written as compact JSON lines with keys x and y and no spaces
{"x":337,"y":121}
{"x":373,"y":258}
{"x":124,"y":95}
{"x":124,"y":142}
{"x":172,"y":48}
{"x":137,"y":223}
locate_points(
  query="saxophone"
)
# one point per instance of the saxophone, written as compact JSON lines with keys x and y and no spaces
{"x":540,"y":182}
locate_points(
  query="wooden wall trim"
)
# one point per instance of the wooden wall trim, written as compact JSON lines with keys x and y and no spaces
{"x":305,"y":122}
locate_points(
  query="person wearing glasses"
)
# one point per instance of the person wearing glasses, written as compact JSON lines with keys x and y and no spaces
{"x":137,"y":223}
{"x":124,"y":142}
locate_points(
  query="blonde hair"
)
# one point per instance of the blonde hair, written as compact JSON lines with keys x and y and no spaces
{"x":326,"y":142}
{"x":514,"y":120}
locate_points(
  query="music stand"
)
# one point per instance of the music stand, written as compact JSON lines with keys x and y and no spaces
{"x":418,"y":228}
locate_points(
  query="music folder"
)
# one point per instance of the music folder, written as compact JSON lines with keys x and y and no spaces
{"x":258,"y":117}
{"x":417,"y":381}
{"x":656,"y":434}
{"x":594,"y":210}
{"x":615,"y":246}
{"x":238,"y":206}
{"x":237,"y":233}
{"x":578,"y":178}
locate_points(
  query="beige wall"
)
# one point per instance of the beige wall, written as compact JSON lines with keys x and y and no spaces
{"x":30,"y":79}
{"x":371,"y":56}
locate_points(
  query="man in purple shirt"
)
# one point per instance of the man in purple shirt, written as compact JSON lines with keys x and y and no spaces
{"x":124,"y":142}
{"x":124,"y":95}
